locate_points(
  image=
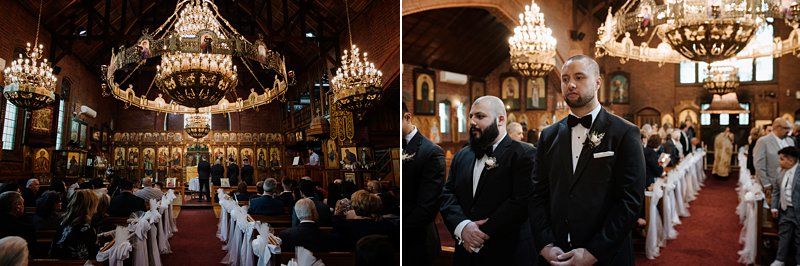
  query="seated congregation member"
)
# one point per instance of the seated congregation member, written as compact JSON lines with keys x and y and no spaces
{"x":259,"y":191}
{"x":13,"y":221}
{"x":786,"y":204}
{"x":389,"y":201}
{"x":342,"y":211}
{"x":125,"y":203}
{"x":233,"y":172}
{"x":247,"y":171}
{"x":76,"y":238}
{"x":287,"y":196}
{"x":375,"y":250}
{"x":13,"y":251}
{"x":653,"y":168}
{"x":48,"y":215}
{"x":307,"y":233}
{"x":308,"y":191}
{"x":340,"y":190}
{"x":59,"y":186}
{"x":673,"y":147}
{"x":100,"y":215}
{"x":241,"y":194}
{"x":365,"y":221}
{"x":267,"y":204}
{"x":10,"y":186}
{"x":31,"y":192}
{"x":217,"y":171}
{"x":148,"y":192}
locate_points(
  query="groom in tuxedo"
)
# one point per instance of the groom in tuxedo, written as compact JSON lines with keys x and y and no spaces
{"x":485,"y":198}
{"x":423,"y":174}
{"x":589,"y":179}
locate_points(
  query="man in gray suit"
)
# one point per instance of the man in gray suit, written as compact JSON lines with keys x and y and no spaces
{"x":786,"y":202}
{"x":765,"y":153}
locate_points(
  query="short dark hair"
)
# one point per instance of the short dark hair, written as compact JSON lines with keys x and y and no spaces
{"x":8,"y":199}
{"x":683,"y":125}
{"x":307,"y":188}
{"x":405,"y":107}
{"x":653,"y":141}
{"x":791,"y":152}
{"x":125,"y":185}
{"x":374,"y":250}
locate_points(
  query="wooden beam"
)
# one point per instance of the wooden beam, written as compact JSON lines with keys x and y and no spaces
{"x":65,"y":8}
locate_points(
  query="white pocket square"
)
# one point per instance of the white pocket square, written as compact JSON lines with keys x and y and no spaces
{"x":603,"y":154}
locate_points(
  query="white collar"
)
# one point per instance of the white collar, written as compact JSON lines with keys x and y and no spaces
{"x":494,"y":146}
{"x":307,"y":221}
{"x":776,"y":137}
{"x":410,"y":135}
{"x":594,"y":112}
{"x":793,"y":169}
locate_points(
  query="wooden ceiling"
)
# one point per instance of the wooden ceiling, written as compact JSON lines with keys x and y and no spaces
{"x":464,"y":40}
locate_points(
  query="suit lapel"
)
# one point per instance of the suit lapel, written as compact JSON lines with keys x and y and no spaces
{"x":600,"y":126}
{"x":795,"y":183}
{"x":467,"y":165}
{"x":564,"y":147}
{"x":413,"y":145}
{"x":486,"y":173}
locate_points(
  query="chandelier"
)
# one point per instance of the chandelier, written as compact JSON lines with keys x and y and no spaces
{"x":357,"y":85}
{"x":196,"y":47}
{"x":725,"y":104}
{"x":696,"y":30}
{"x":722,"y":78}
{"x":532,"y":47}
{"x":29,"y":82}
{"x":197,"y":125}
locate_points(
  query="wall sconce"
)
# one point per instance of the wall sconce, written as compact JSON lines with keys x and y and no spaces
{"x":797,"y":94}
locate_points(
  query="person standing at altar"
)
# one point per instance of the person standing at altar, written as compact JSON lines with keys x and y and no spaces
{"x":589,"y":178}
{"x":204,"y":174}
{"x":786,"y":204}
{"x":423,"y":175}
{"x":313,"y":157}
{"x":723,"y":150}
{"x":485,"y":198}
{"x":765,"y":153}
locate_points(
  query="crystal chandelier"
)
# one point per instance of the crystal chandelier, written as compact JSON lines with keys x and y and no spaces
{"x":29,"y":82}
{"x":725,"y":104}
{"x":722,"y":78}
{"x":197,"y":125}
{"x":532,"y":47}
{"x":196,"y":47}
{"x":357,"y":85}
{"x":696,"y":30}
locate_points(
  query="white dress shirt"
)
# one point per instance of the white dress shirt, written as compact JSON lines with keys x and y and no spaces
{"x":480,"y":163}
{"x":781,"y":141}
{"x":313,"y":159}
{"x":410,"y":135}
{"x":579,"y":136}
{"x":787,"y":187}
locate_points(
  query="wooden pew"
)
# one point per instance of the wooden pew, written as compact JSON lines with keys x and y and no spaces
{"x":44,"y":238}
{"x":329,"y":258}
{"x":30,"y":210}
{"x":324,"y":230}
{"x":275,"y":221}
{"x":54,"y":262}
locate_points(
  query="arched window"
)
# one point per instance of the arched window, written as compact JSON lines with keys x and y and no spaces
{"x":444,"y":117}
{"x":9,"y":126}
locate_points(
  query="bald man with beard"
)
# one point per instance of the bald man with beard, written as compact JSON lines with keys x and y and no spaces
{"x":485,"y":198}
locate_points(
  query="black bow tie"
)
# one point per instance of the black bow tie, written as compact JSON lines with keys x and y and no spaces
{"x":585,"y":121}
{"x":487,"y":151}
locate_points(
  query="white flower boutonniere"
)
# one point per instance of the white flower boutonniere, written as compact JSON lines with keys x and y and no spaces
{"x":406,"y":156}
{"x":491,"y":163}
{"x":593,"y":139}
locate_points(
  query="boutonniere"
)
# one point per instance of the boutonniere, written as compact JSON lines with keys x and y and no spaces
{"x":491,"y":163}
{"x":593,"y":139}
{"x":407,"y":156}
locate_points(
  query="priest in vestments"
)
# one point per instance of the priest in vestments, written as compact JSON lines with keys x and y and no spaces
{"x":723,"y":150}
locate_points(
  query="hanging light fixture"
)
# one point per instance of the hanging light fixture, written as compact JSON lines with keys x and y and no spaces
{"x":197,"y":125}
{"x":722,"y":78}
{"x":29,"y":82}
{"x":725,"y":104}
{"x":532,"y":47}
{"x":197,"y":47}
{"x":357,"y":85}
{"x":695,"y":30}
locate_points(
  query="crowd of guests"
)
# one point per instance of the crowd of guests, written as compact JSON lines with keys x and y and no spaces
{"x":77,"y":214}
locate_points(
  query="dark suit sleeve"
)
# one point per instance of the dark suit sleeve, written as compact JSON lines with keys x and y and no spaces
{"x":515,"y":209}
{"x":539,"y":210}
{"x":428,"y":192}
{"x":627,"y":194}
{"x":452,"y":213}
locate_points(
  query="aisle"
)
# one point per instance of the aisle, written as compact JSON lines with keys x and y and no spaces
{"x":710,"y":235}
{"x":196,"y":242}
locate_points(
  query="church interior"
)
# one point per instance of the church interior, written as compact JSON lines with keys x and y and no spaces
{"x":666,"y":66}
{"x":161,"y":98}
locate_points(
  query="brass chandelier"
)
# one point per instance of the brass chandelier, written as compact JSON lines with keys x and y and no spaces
{"x":722,"y":77}
{"x":532,"y":47}
{"x":357,"y":85}
{"x":197,"y":47}
{"x":695,"y":30}
{"x":29,"y":82}
{"x":197,"y":125}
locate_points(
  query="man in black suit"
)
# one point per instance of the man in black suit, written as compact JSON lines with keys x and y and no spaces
{"x":589,"y":178}
{"x":267,"y":204}
{"x":233,"y":172}
{"x":485,"y":198}
{"x":247,"y":171}
{"x":308,"y":191}
{"x":204,"y":172}
{"x":217,"y":172}
{"x":125,"y":203}
{"x":307,"y":233}
{"x":685,"y":140}
{"x":423,"y":174}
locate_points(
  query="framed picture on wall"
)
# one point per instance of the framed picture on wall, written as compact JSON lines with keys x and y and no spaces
{"x":477,"y":88}
{"x":350,"y":176}
{"x":509,"y":90}
{"x":424,"y":92}
{"x":619,"y":87}
{"x":535,"y":94}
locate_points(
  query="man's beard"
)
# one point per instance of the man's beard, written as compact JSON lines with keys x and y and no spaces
{"x":486,"y":138}
{"x":580,"y":102}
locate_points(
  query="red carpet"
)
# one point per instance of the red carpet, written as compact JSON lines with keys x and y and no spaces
{"x":710,"y":236}
{"x":196,"y":242}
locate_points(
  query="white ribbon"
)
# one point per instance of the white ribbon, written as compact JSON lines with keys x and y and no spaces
{"x":120,"y":251}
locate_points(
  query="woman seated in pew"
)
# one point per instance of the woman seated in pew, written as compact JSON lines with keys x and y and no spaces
{"x":342,"y":211}
{"x":48,"y":215}
{"x":76,"y":238}
{"x":241,"y":194}
{"x":13,"y":251}
{"x":365,"y":220}
{"x":100,"y":215}
{"x":654,"y":167}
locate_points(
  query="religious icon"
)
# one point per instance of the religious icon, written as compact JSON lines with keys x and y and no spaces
{"x":536,"y":93}
{"x":225,"y":137}
{"x":233,"y":154}
{"x":217,"y":136}
{"x":619,"y":87}
{"x":42,"y":120}
{"x":349,"y":155}
{"x":477,"y":89}
{"x":171,"y":182}
{"x":332,"y":155}
{"x":176,"y":157}
{"x":147,"y":161}
{"x":133,"y":157}
{"x":205,"y":44}
{"x":219,"y":154}
{"x":144,"y":49}
{"x":424,"y":92}
{"x":261,"y":50}
{"x":247,"y":153}
{"x":119,"y":158}
{"x":163,"y":157}
{"x":509,"y":87}
{"x":42,"y":162}
{"x":274,"y":157}
{"x":262,"y":158}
